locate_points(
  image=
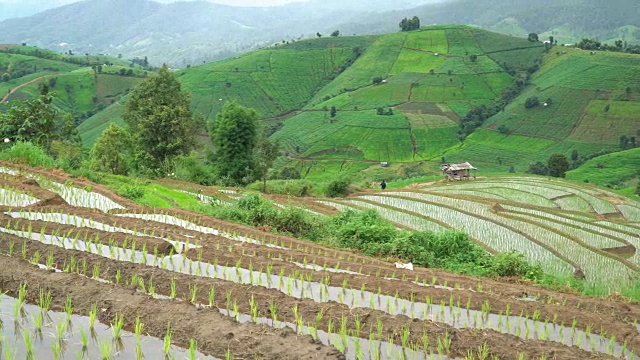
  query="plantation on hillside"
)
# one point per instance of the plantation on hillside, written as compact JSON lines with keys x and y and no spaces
{"x":82,"y":85}
{"x":428,"y":79}
{"x":591,"y":102}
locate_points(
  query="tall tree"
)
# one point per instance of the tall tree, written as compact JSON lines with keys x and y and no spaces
{"x":32,"y":120}
{"x":558,"y":165}
{"x":265,"y":154}
{"x":161,"y":123}
{"x":234,"y":134}
{"x":111,"y":153}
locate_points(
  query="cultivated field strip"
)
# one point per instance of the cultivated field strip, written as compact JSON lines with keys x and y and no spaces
{"x":497,"y":237}
{"x":302,"y":288}
{"x":325,"y":299}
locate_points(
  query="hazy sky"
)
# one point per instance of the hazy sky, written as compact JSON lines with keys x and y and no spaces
{"x":54,"y":3}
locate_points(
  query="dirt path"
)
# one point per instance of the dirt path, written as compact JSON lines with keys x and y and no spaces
{"x":7,"y":95}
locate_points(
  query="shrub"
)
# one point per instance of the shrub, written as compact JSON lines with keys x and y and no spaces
{"x":531,"y":102}
{"x":29,"y":154}
{"x":133,"y":191}
{"x":188,"y":168}
{"x":287,"y":187}
{"x":337,"y":188}
{"x":514,"y":264}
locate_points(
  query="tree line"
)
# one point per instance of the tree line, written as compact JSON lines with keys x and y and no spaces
{"x":158,"y":138}
{"x":407,"y":24}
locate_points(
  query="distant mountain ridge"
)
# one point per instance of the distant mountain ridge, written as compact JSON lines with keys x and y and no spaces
{"x":190,"y":32}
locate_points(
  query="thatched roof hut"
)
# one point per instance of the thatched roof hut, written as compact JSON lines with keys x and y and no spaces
{"x":461,"y":171}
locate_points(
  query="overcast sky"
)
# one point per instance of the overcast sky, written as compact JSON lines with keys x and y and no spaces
{"x":54,"y":3}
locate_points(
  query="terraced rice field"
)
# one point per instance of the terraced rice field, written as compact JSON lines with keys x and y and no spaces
{"x":556,"y":223}
{"x":105,"y":278}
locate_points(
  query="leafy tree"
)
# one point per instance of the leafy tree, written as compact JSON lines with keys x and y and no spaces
{"x":32,"y":120}
{"x":335,"y":33}
{"x":234,"y":134}
{"x":111,"y":153}
{"x":410,"y":24}
{"x":318,"y":35}
{"x":161,"y":123}
{"x":377,"y":80}
{"x":333,"y":112}
{"x":503,"y":129}
{"x":265,"y":154}
{"x":531,"y":102}
{"x":558,"y":165}
{"x":538,"y":168}
{"x":574,"y":155}
{"x":533,"y":37}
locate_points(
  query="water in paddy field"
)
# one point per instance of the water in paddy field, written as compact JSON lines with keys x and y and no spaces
{"x":14,"y":330}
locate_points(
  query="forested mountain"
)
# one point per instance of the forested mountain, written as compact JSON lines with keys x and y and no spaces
{"x":179,"y":33}
{"x":189,"y":32}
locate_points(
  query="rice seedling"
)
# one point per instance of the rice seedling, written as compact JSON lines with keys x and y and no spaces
{"x":167,"y":341}
{"x":194,"y":293}
{"x":192,"y":349}
{"x":28,"y":344}
{"x":93,"y":314}
{"x":105,"y":350}
{"x":116,"y":327}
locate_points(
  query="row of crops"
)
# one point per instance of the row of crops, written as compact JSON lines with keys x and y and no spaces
{"x":558,"y":224}
{"x":70,"y":268}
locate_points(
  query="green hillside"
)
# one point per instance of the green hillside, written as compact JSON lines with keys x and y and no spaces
{"x":591,"y":101}
{"x":82,"y":85}
{"x":430,"y":79}
{"x":620,"y":170}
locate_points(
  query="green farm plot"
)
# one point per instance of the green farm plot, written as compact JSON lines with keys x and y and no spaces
{"x":410,"y":60}
{"x":91,"y":128}
{"x":605,"y":121}
{"x":604,"y":71}
{"x":611,"y":169}
{"x":15,"y":62}
{"x":428,"y":40}
{"x":376,"y":61}
{"x":376,"y":138}
{"x":496,"y":152}
{"x":554,"y":122}
{"x":443,"y":88}
{"x":462,"y":107}
{"x":462,"y":42}
{"x":463,"y":65}
{"x":110,"y":86}
{"x":330,"y":42}
{"x":427,"y":115}
{"x":271,"y":81}
{"x":431,"y":142}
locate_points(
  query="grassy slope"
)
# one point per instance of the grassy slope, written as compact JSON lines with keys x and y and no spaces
{"x":617,"y":170}
{"x":76,"y":89}
{"x":430,"y":81}
{"x":581,"y":86}
{"x":273,"y":81}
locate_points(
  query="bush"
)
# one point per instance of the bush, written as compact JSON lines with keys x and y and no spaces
{"x":287,"y":187}
{"x":28,"y":154}
{"x":531,"y":102}
{"x":188,"y":168}
{"x":514,"y":264}
{"x":133,"y":191}
{"x":337,"y":188}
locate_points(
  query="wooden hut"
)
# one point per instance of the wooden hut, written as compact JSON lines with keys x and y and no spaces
{"x":461,"y":171}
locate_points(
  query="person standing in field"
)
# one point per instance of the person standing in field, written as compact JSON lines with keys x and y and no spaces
{"x":383,"y":185}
